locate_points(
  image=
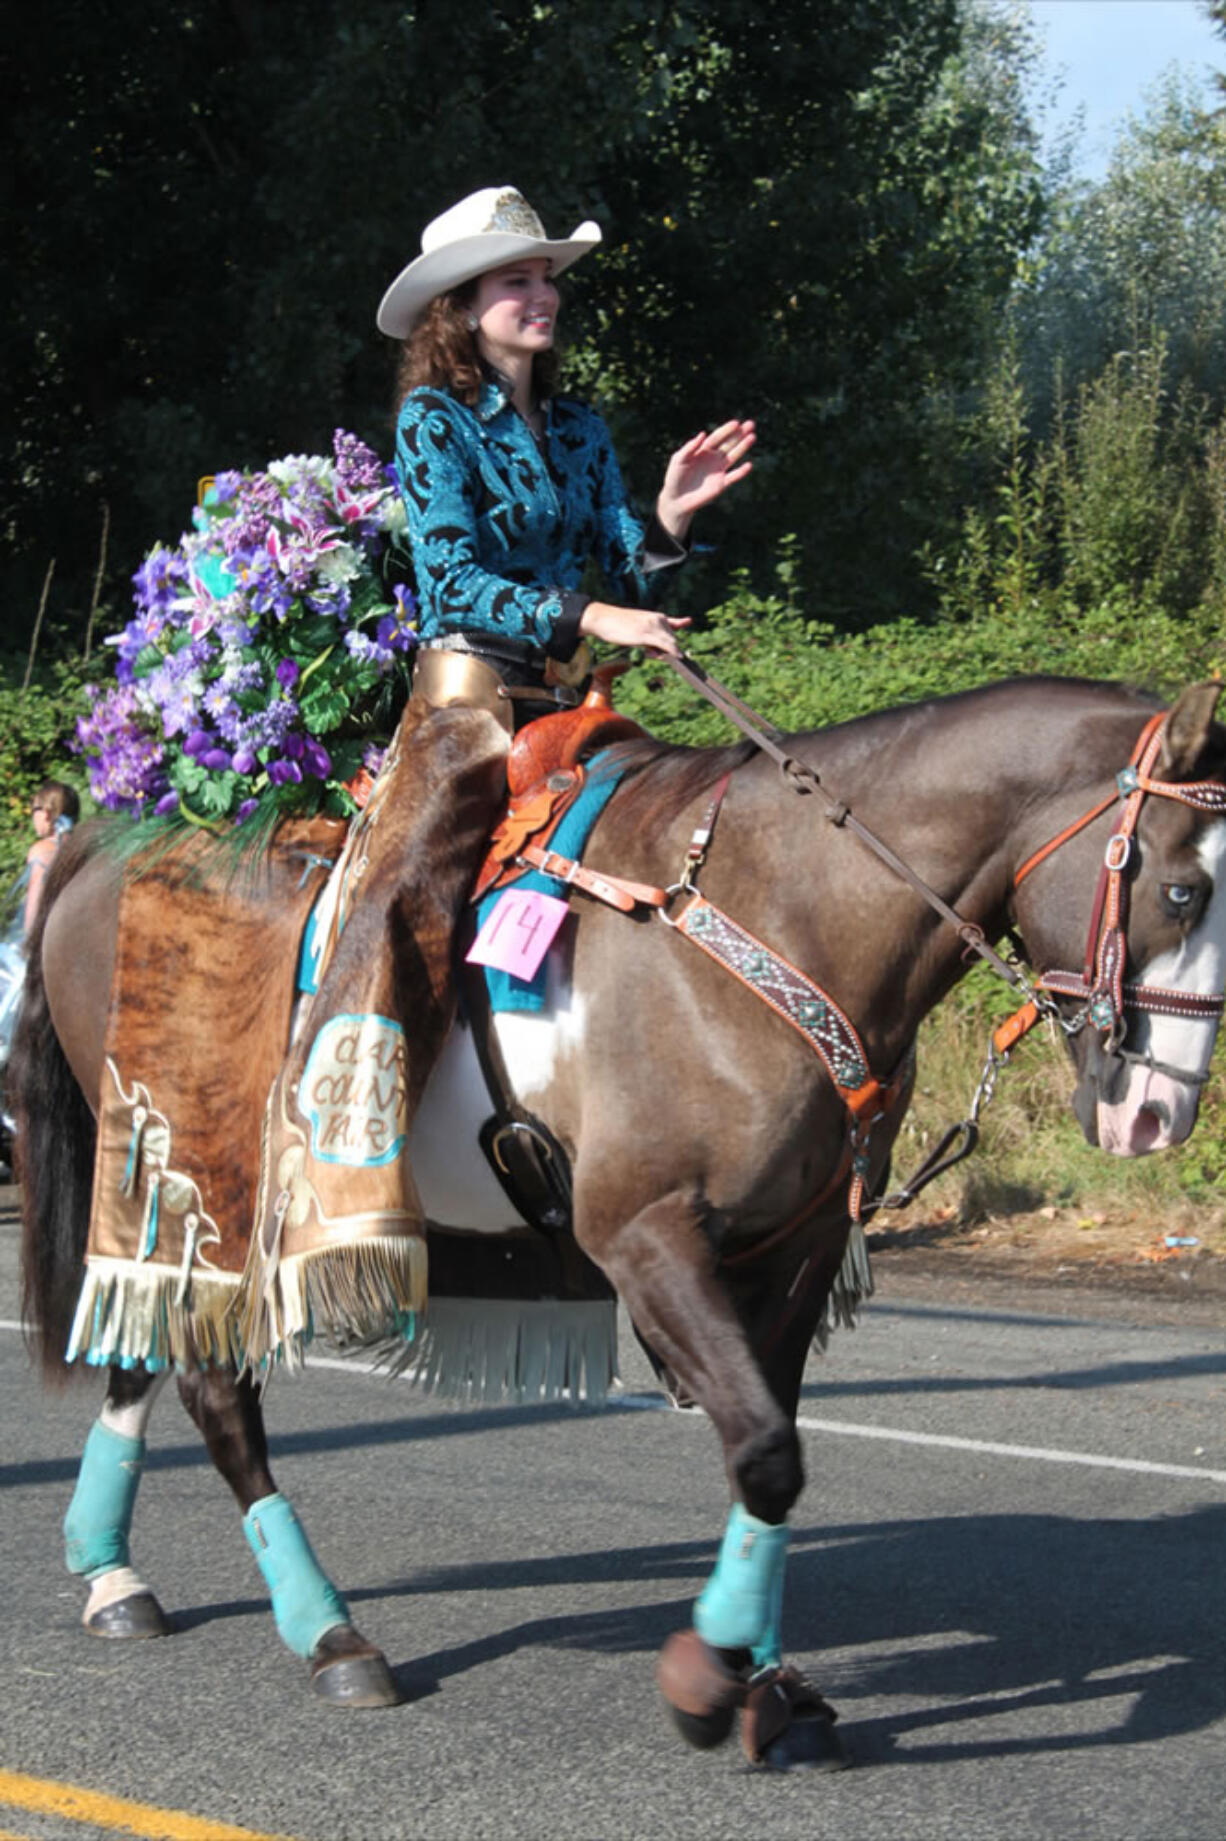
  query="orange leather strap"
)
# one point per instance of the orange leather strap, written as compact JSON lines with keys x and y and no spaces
{"x":617,"y":891}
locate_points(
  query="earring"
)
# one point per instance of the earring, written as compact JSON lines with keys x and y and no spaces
{"x":473,"y":322}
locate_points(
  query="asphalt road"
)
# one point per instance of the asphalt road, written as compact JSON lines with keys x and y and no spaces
{"x":1007,"y":1572}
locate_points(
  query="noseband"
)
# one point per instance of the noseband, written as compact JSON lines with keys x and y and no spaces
{"x":1105,"y":998}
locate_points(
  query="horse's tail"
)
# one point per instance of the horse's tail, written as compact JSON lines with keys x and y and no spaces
{"x":53,"y":1152}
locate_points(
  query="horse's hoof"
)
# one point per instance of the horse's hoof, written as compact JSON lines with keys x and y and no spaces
{"x":702,"y":1693}
{"x":138,"y":1616}
{"x":704,"y":1731}
{"x":787,"y":1726}
{"x":807,"y":1745}
{"x":350,"y":1672}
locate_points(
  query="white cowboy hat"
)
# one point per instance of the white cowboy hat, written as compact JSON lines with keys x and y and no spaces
{"x":482,"y":232}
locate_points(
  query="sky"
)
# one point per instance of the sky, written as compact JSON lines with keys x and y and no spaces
{"x":1111,"y":51}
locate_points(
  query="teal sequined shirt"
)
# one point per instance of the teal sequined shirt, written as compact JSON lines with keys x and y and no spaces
{"x":502,"y":529}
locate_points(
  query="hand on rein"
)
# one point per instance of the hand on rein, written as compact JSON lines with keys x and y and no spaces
{"x":633,"y":626}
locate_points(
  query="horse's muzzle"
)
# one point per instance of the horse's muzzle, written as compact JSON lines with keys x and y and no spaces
{"x":1128,"y":1108}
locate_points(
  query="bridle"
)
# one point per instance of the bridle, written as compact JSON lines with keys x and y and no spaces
{"x":1104,"y":997}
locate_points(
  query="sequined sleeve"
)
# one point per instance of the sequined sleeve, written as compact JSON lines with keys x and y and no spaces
{"x":440,"y":481}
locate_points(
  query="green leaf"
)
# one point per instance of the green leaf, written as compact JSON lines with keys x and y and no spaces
{"x":323,"y":708}
{"x":310,"y":635}
{"x":148,"y":659}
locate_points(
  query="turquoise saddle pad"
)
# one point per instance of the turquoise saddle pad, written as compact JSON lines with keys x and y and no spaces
{"x":569,"y":840}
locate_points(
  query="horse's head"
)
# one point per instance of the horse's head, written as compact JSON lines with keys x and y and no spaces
{"x":1132,"y":944}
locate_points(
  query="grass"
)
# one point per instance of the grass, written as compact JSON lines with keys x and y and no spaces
{"x":1033,"y":1176}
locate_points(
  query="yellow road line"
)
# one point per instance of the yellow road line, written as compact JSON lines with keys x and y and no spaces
{"x":78,"y":1805}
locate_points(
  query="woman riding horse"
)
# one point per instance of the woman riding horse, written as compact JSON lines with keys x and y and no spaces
{"x":509,"y":492}
{"x":709,"y":1143}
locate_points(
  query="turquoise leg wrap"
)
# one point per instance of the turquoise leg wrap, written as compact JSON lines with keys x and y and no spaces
{"x":305,"y":1603}
{"x":99,"y":1516}
{"x":741,"y":1605}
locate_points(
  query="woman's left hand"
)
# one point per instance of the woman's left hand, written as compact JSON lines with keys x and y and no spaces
{"x":701,"y":470}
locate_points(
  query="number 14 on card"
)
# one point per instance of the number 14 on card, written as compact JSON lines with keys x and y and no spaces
{"x":519,"y":932}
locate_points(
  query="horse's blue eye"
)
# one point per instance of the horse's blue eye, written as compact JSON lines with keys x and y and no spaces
{"x":1179,"y":894}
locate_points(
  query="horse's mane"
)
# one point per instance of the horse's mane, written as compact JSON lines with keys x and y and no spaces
{"x":660,"y":779}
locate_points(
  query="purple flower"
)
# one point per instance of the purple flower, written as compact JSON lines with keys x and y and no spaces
{"x":217,"y":616}
{"x":362,"y":646}
{"x":178,"y":709}
{"x":169,"y":802}
{"x":394,"y":637}
{"x":161,"y":577}
{"x":358,"y":468}
{"x":333,"y":599}
{"x":226,"y":486}
{"x":268,"y":728}
{"x":315,"y":758}
{"x":124,"y":757}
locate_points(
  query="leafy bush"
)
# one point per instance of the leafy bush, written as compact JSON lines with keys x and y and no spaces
{"x":800,"y":675}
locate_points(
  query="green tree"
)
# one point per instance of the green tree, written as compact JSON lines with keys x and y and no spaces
{"x":809,"y":209}
{"x":1136,"y":257}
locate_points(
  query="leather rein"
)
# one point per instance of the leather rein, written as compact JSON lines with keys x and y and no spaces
{"x":1105,"y":997}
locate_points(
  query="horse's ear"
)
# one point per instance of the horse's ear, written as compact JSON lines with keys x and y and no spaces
{"x":1189,"y":731}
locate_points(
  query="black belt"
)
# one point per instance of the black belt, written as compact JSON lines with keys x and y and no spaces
{"x":522,"y":653}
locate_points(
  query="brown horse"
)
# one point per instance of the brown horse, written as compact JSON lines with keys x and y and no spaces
{"x":711,"y":1153}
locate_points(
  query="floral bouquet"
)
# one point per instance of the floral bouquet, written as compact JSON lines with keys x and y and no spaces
{"x":262,"y":647}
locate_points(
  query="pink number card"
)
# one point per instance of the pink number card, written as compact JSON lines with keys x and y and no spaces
{"x":519,"y":932}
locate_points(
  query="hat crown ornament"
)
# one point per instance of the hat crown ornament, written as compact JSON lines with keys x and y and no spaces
{"x":500,"y":208}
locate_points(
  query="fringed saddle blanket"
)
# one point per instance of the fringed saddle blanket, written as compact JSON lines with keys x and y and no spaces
{"x":200,"y":1014}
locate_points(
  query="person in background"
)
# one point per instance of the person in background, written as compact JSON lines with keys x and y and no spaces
{"x":55,"y":809}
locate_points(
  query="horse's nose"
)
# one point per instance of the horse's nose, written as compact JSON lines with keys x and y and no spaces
{"x":1160,"y":1110}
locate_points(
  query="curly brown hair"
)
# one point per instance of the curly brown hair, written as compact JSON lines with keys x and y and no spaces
{"x":441,"y":352}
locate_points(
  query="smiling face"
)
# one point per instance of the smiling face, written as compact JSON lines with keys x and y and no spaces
{"x":516,"y":309}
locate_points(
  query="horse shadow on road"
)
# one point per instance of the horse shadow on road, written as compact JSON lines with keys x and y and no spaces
{"x":962,"y":1637}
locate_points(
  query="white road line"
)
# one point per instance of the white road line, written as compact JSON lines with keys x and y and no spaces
{"x":840,"y":1428}
{"x":1041,"y":1453}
